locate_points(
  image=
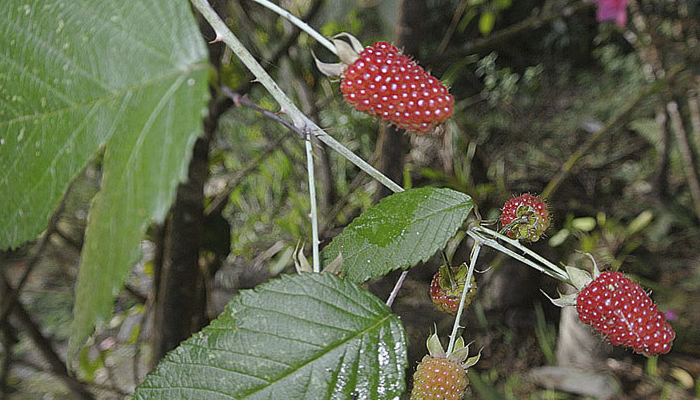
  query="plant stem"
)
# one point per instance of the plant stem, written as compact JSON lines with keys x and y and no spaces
{"x":299,"y":23}
{"x":312,"y":204}
{"x":548,"y":265}
{"x":395,"y":290}
{"x":467,"y":285}
{"x":300,"y":120}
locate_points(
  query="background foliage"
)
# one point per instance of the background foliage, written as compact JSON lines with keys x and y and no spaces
{"x":535,"y":82}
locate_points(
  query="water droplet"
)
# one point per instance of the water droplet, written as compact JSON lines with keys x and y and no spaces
{"x":27,"y":9}
{"x":61,"y":25}
{"x":2,"y":141}
{"x":190,"y":82}
{"x":20,"y":136}
{"x":43,"y":102}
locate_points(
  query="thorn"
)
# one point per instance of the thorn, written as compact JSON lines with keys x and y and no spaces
{"x":218,"y":38}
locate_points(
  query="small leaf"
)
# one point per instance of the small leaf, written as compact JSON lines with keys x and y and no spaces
{"x":346,"y":53}
{"x":309,"y":336}
{"x":401,"y":231}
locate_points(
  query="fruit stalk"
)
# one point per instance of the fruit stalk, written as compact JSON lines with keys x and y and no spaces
{"x":472,"y":263}
{"x":299,"y":23}
{"x":490,"y":238}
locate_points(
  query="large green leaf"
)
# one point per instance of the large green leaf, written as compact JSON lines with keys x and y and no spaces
{"x":81,"y":74}
{"x":309,"y":336}
{"x":401,"y":231}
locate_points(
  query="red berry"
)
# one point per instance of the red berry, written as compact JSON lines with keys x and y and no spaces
{"x":525,"y":217}
{"x":439,"y":378}
{"x":387,"y":84}
{"x":447,"y":286}
{"x":622,"y":312}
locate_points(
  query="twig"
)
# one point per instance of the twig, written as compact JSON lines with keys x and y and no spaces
{"x":239,"y":100}
{"x":287,"y":105}
{"x":395,"y":290}
{"x":300,"y":120}
{"x":611,"y":125}
{"x":13,"y":293}
{"x":512,"y":31}
{"x":686,"y":154}
{"x":313,"y":214}
{"x":45,"y":346}
{"x":299,"y":23}
{"x":490,"y":238}
{"x":467,"y":285}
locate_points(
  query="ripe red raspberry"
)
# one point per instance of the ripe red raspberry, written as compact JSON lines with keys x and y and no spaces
{"x":439,"y":378}
{"x":620,"y":310}
{"x":447,"y":286}
{"x":525,"y":217}
{"x":383,"y":82}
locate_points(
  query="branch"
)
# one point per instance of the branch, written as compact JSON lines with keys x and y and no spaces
{"x":686,"y":154}
{"x":610,"y":126}
{"x":300,"y":120}
{"x":512,"y":31}
{"x":45,"y":346}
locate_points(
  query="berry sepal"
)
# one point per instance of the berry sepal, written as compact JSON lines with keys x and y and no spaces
{"x":579,"y":279}
{"x":347,"y":52}
{"x":442,"y":376}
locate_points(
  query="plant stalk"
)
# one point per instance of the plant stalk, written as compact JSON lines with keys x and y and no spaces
{"x":467,"y":285}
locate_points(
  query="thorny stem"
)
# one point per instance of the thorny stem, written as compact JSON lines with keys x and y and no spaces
{"x":299,"y":23}
{"x":472,"y":263}
{"x":300,"y":120}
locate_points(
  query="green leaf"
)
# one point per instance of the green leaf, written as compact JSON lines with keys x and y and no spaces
{"x":79,"y":75}
{"x":401,"y":231}
{"x":308,"y":336}
{"x":74,"y":73}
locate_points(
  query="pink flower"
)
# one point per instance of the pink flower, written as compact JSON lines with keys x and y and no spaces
{"x":612,"y":10}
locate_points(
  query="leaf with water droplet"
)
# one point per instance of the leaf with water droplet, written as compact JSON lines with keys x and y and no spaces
{"x":308,"y":336}
{"x":125,"y":91}
{"x":399,"y":232}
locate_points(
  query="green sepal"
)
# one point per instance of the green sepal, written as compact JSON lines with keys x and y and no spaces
{"x":434,"y":346}
{"x":563,"y":300}
{"x":578,"y":277}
